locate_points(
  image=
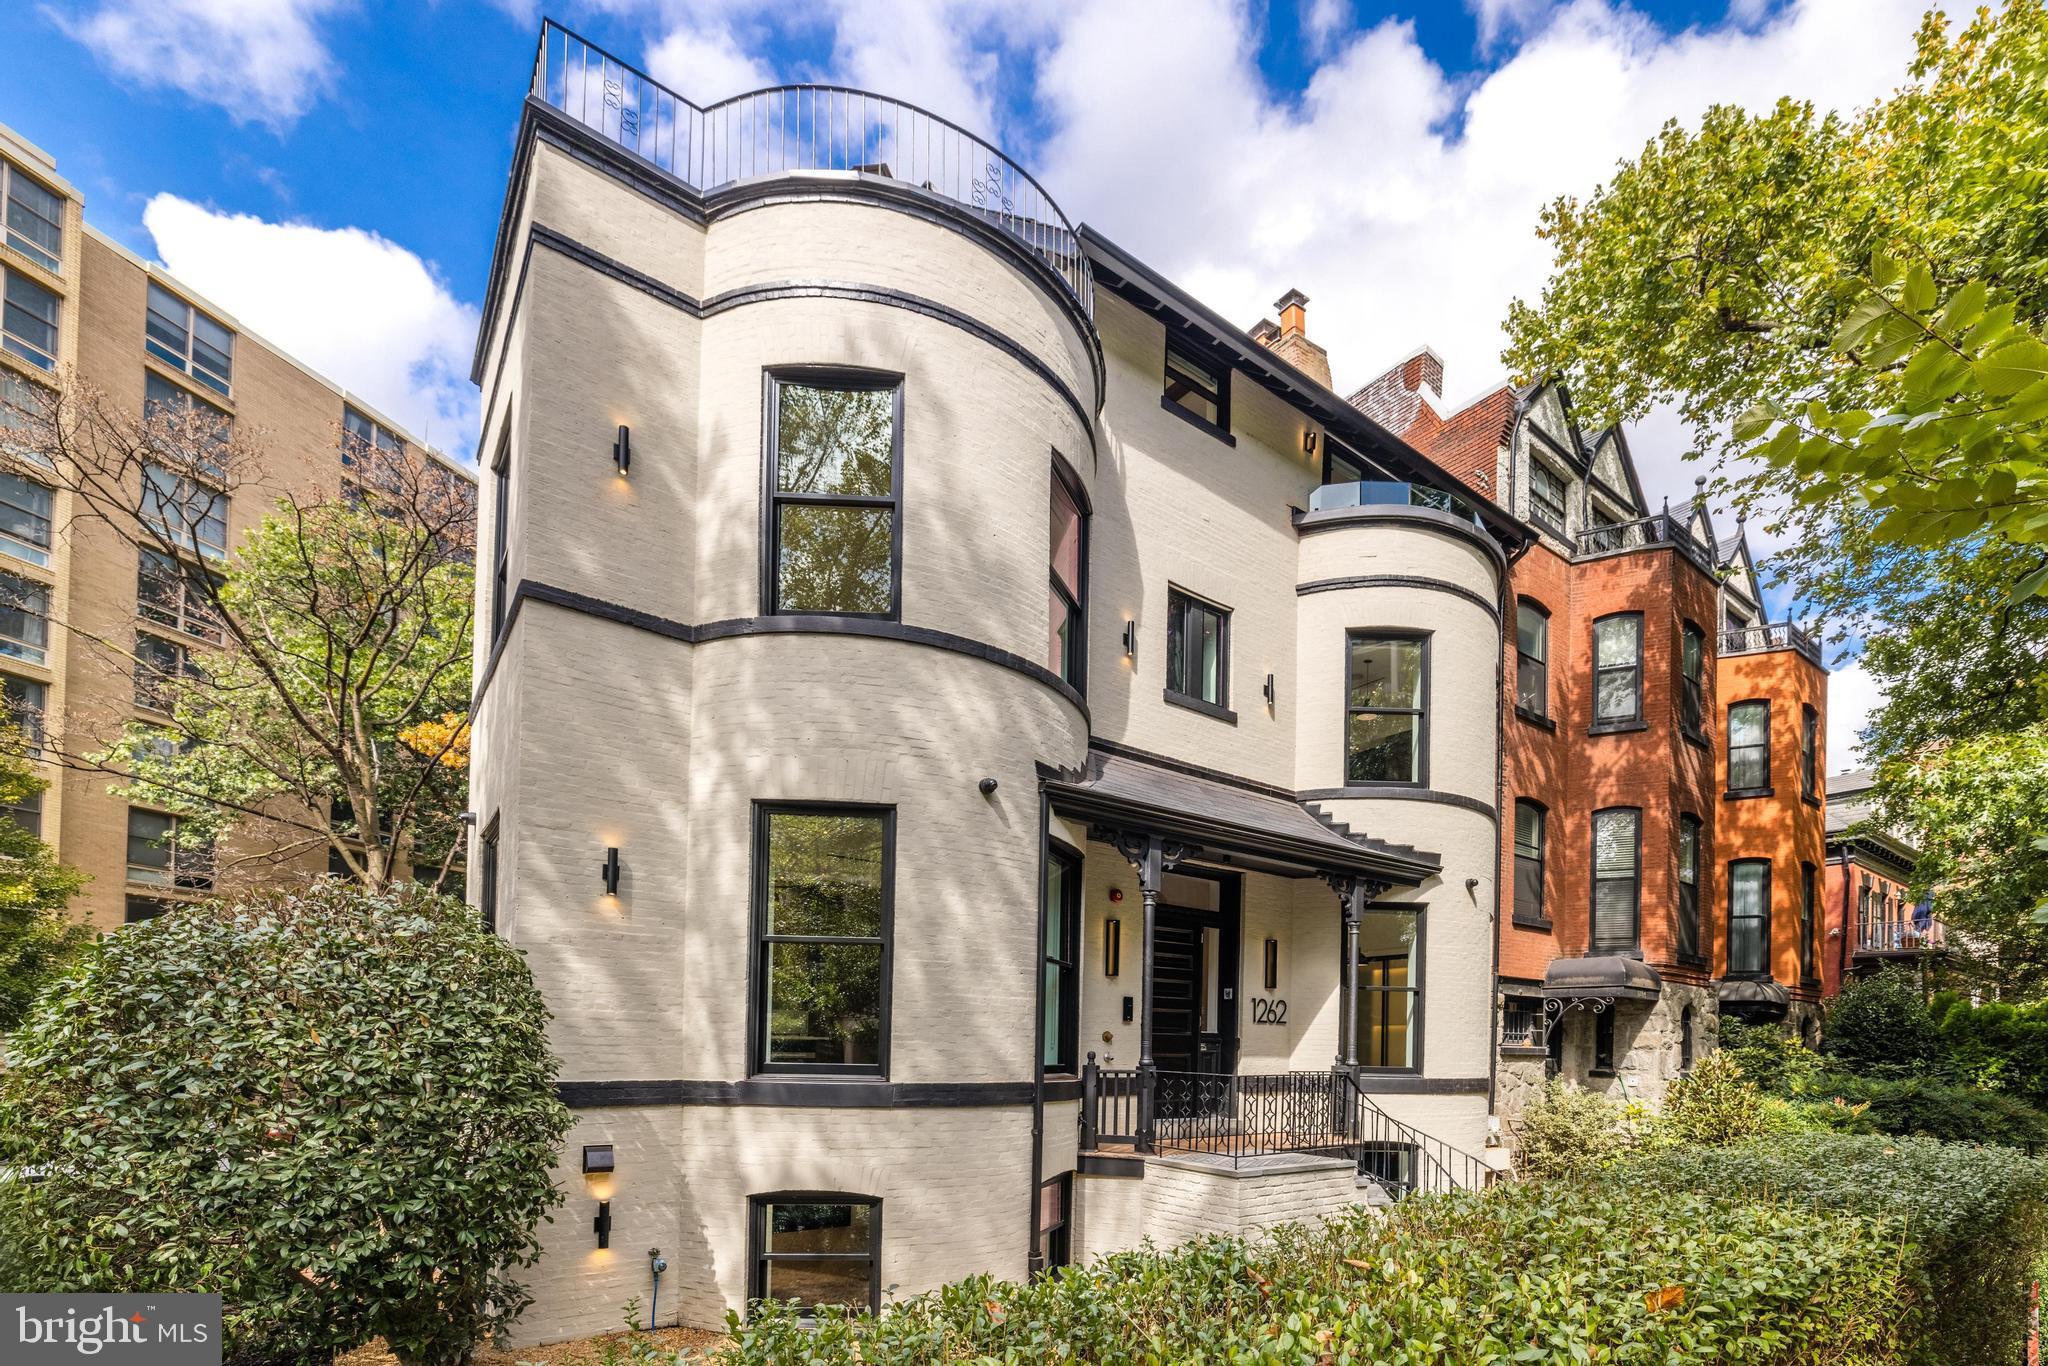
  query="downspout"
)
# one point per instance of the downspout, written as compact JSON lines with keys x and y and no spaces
{"x":1033,"y":1261}
{"x":1500,"y":797}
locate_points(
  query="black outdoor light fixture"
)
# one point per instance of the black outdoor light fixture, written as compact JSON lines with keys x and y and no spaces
{"x":1272,"y":691}
{"x":1112,"y":946}
{"x":1272,"y":964}
{"x":602,"y":1224}
{"x":1308,"y":442}
{"x":622,"y":449}
{"x":597,"y":1157}
{"x":1130,"y":640}
{"x":610,"y":871}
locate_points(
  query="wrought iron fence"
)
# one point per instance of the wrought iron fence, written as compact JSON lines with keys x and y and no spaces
{"x":1660,"y":528}
{"x":1403,"y":1159}
{"x":799,"y":129}
{"x":1777,"y":635}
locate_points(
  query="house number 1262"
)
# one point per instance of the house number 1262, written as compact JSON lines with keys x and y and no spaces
{"x":1264,"y":1011}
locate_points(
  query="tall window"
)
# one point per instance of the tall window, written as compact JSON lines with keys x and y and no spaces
{"x":1386,"y":709}
{"x":1618,"y":669}
{"x":1809,"y":753}
{"x":362,"y":435}
{"x":501,"y":531}
{"x":1529,"y":823}
{"x":26,"y":813}
{"x":171,"y":594}
{"x":822,"y":889}
{"x":1197,"y":649}
{"x":24,"y":618}
{"x":191,"y":515}
{"x":1692,"y":688}
{"x":487,"y":876}
{"x":156,"y":859}
{"x":35,"y":217}
{"x":1749,"y":918}
{"x":1197,"y":388}
{"x":24,"y":519}
{"x":817,"y":1249}
{"x":26,"y":702}
{"x":195,"y":423}
{"x":1617,"y":882}
{"x":1689,"y":889}
{"x":1546,"y":495}
{"x":1055,"y":1206}
{"x":1390,"y":988}
{"x":22,"y":402}
{"x":835,"y":493}
{"x":1749,"y":746}
{"x":1069,"y":644}
{"x":1809,"y":944}
{"x":28,"y":320}
{"x":157,"y":663}
{"x":186,"y":339}
{"x":1532,"y":658}
{"x":1062,"y":957}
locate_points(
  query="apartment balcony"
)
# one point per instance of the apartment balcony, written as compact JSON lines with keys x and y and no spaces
{"x":1778,"y":635}
{"x":808,"y":131}
{"x":1900,"y":938}
{"x":1392,"y":493}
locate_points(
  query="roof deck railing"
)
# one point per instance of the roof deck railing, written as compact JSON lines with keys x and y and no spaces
{"x":795,"y":130}
{"x":1776,"y":635}
{"x":1660,"y":528}
{"x":1390,"y":493}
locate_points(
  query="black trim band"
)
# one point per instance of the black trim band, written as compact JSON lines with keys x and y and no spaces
{"x":1377,"y":792}
{"x":1384,"y":1084}
{"x":1399,"y":581}
{"x":808,"y":1094}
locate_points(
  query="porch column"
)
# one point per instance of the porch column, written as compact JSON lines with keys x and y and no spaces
{"x":1151,"y":857}
{"x":1352,"y":894}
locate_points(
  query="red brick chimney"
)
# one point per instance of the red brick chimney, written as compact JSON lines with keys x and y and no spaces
{"x":1289,"y":340}
{"x":1395,"y":400}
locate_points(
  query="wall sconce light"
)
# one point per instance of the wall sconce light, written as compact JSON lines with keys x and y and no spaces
{"x":610,"y":871}
{"x":1272,"y":965}
{"x":1112,"y":946}
{"x":1272,"y":691}
{"x":1308,"y":442}
{"x":1130,"y":640}
{"x":602,"y":1224}
{"x":622,"y":449}
{"x":597,"y":1157}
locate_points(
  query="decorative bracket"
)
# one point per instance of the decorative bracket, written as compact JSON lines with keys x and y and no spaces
{"x":1558,"y":1005}
{"x":1147,"y":852}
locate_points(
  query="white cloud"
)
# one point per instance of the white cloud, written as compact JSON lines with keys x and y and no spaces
{"x":1322,"y":21}
{"x":1852,"y":696}
{"x":1499,"y":18}
{"x":362,"y":310}
{"x":707,"y":63}
{"x":263,"y":61}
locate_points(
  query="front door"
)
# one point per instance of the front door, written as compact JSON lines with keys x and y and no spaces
{"x":1179,"y":989}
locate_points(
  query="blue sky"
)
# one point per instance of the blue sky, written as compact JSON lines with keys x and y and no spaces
{"x":331,"y":171}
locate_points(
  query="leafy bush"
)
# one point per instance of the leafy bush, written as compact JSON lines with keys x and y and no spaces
{"x":1712,"y":1104}
{"x":1880,"y":1026}
{"x":1997,"y":1045}
{"x":1552,"y":1271}
{"x":1965,"y":1223}
{"x":1568,"y":1130}
{"x":1931,"y":1109}
{"x":336,"y":1109}
{"x":1772,"y":1058}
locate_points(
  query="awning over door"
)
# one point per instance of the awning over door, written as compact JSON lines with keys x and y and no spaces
{"x":1610,"y":977}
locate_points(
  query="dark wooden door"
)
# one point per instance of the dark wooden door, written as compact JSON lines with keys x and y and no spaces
{"x":1178,"y":981}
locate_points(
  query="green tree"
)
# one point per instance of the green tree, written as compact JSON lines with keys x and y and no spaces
{"x":37,"y":938}
{"x":333,"y":1107}
{"x":1880,"y":1026}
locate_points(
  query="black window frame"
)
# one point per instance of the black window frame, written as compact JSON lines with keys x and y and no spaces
{"x":1763,"y":788}
{"x":1538,"y":916}
{"x":1692,"y":681}
{"x":1383,"y":634}
{"x":1763,"y":971}
{"x":1809,"y":753}
{"x":1416,"y":990}
{"x":773,"y":499}
{"x":1217,"y":371}
{"x":1061,"y":1056}
{"x":762,"y":963}
{"x":487,"y":875}
{"x":1633,"y":721}
{"x":1691,"y":948}
{"x":1179,"y":603}
{"x":1603,"y":1043}
{"x":1685,"y":1041}
{"x":1595,"y":944}
{"x":759,"y":1255}
{"x":1538,"y":664}
{"x":1075,"y":673}
{"x":501,"y":531}
{"x":1809,"y":924}
{"x":1055,"y":1245}
{"x":1539,"y":508}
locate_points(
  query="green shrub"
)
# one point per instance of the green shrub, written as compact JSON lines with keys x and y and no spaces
{"x":1772,"y":1058}
{"x":1880,"y":1026}
{"x":333,"y":1108}
{"x":1929,"y":1109}
{"x":1711,"y":1104}
{"x":1568,"y":1130}
{"x":1965,"y":1223}
{"x":1997,"y":1045}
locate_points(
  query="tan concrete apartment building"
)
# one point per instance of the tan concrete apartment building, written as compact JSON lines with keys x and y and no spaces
{"x":78,"y":304}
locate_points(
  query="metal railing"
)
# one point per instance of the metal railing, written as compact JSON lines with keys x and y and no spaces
{"x":806,"y":129}
{"x":1658,"y":529}
{"x":1777,"y":635}
{"x":1391,"y":493}
{"x":1403,"y":1159}
{"x":1899,"y":936}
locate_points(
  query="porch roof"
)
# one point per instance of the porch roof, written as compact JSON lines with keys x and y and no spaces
{"x":1225,"y":816}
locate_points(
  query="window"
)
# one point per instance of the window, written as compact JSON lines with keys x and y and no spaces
{"x":1749,"y":747}
{"x":198,"y":429}
{"x":169,"y":594}
{"x":361,"y":435}
{"x":1546,"y":495}
{"x":1866,"y":927}
{"x":1521,"y":1022}
{"x":487,"y":879}
{"x":27,"y":813}
{"x":35,"y":218}
{"x":1197,"y":388}
{"x":1385,"y":710}
{"x":822,"y":883}
{"x":1618,"y":670}
{"x":24,"y":618}
{"x":24,"y":519}
{"x":1062,"y":958}
{"x":1749,"y":918}
{"x":157,"y":663}
{"x":1685,"y":1044}
{"x":1390,"y":988}
{"x":141,"y":908}
{"x":1692,"y":688}
{"x":1603,"y":1042}
{"x":185,"y":511}
{"x":835,"y":492}
{"x":1809,"y":753}
{"x":155,"y":859}
{"x":1532,"y":658}
{"x":1069,"y":643}
{"x":1529,"y":822}
{"x":1055,"y":1200}
{"x":1689,"y":890}
{"x":815,"y":1248}
{"x":21,"y":404}
{"x":1809,"y":946}
{"x":1737,"y":619}
{"x":1197,"y":650}
{"x":1617,"y":860}
{"x":26,"y":701}
{"x":28,"y":320}
{"x":501,"y":530}
{"x":185,"y":339}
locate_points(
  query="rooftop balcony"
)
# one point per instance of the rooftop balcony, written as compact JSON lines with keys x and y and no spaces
{"x":1391,"y":493}
{"x":1658,"y":529}
{"x":1777,"y":635}
{"x":807,"y":130}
